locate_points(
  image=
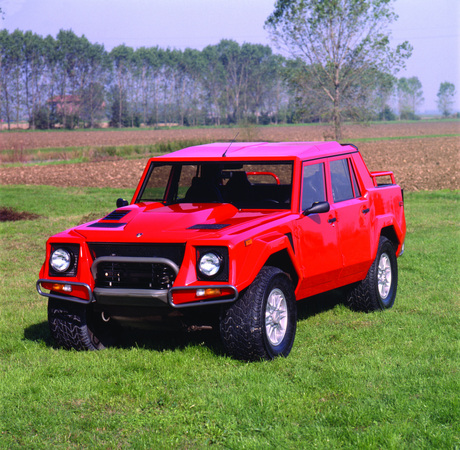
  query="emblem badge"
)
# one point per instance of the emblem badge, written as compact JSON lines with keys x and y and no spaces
{"x":138,"y":235}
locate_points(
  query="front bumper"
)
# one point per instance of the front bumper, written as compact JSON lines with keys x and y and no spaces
{"x":143,"y":297}
{"x":137,"y":281}
{"x":69,"y":298}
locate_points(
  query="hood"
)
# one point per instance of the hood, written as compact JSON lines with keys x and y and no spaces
{"x":173,"y":223}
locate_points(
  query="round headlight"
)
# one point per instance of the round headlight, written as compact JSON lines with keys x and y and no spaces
{"x":60,"y":260}
{"x":210,"y":264}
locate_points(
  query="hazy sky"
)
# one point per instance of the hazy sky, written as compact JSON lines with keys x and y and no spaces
{"x":431,"y":26}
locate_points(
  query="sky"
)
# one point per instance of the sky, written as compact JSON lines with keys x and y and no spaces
{"x":432,"y":27}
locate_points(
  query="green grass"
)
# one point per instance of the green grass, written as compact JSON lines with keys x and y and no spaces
{"x":394,"y":138}
{"x":352,"y":380}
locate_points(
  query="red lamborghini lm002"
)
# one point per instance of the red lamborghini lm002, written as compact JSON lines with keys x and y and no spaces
{"x":230,"y":235}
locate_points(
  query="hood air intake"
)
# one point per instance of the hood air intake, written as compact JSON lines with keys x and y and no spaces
{"x":117,"y":214}
{"x":208,"y":226}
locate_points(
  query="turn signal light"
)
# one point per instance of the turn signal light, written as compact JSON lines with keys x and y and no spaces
{"x":210,"y":292}
{"x":62,"y":287}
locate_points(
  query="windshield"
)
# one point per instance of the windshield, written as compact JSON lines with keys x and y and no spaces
{"x":248,"y":185}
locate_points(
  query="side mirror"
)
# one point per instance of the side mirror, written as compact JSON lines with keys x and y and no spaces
{"x":122,"y":202}
{"x":317,"y":208}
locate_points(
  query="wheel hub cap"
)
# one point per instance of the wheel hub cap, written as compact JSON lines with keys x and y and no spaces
{"x":384,"y":276}
{"x":276,"y":317}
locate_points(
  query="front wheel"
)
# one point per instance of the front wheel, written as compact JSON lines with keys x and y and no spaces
{"x":378,"y":290}
{"x":74,"y":325}
{"x":261,"y":324}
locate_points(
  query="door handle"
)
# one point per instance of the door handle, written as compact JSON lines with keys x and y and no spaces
{"x":332,"y":220}
{"x":365,"y":211}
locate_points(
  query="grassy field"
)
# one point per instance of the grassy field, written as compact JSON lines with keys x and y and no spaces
{"x":382,"y":380}
{"x":69,"y":155}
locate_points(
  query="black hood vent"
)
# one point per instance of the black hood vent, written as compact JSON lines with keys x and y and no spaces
{"x":107,"y":225}
{"x":117,"y":214}
{"x":208,"y":226}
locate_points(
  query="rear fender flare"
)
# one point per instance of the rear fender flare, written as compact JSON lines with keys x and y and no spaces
{"x":388,"y":227}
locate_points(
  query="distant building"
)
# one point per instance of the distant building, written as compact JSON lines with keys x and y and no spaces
{"x":67,"y":105}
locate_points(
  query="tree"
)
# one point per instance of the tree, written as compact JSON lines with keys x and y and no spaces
{"x":261,"y":79}
{"x":154,"y":62}
{"x":446,"y":96}
{"x":5,"y":69}
{"x":235,"y":68}
{"x":119,"y":110}
{"x":92,"y":104}
{"x":190,"y":69}
{"x":121,"y":57}
{"x":33,"y":74}
{"x":11,"y":83}
{"x":51,"y":57}
{"x":145,"y":64}
{"x":338,"y":42}
{"x":212,"y":79}
{"x":410,"y":97}
{"x":385,"y":90}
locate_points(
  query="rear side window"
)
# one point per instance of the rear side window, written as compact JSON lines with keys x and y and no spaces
{"x":353,"y":179}
{"x":342,"y":188}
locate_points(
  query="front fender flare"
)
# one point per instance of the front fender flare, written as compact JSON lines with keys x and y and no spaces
{"x":257,"y":254}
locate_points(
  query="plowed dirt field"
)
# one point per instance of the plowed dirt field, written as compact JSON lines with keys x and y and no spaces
{"x":56,"y":139}
{"x":425,"y":163}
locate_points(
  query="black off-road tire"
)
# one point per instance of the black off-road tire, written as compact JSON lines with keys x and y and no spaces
{"x":365,"y":295}
{"x":243,"y":325}
{"x":74,"y":325}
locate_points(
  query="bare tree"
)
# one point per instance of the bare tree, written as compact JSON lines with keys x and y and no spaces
{"x":340,"y":42}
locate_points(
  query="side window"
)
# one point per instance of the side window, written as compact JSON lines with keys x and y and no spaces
{"x":340,"y":180}
{"x":313,"y":185}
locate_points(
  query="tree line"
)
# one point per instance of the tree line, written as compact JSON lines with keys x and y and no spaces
{"x":70,"y":82}
{"x":73,"y":82}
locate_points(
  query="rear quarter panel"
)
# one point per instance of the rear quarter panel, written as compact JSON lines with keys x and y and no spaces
{"x":387,"y":208}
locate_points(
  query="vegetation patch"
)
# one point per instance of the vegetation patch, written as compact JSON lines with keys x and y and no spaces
{"x":92,"y":153}
{"x":11,"y":215}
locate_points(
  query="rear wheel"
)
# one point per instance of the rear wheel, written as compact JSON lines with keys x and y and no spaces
{"x":378,"y":290}
{"x":261,"y":324}
{"x":74,"y":325}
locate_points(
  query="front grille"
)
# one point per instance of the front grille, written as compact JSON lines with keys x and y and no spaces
{"x":136,"y":266}
{"x":174,"y":252}
{"x":134,"y":275}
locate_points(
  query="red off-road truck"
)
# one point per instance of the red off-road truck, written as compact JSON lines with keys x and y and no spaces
{"x":232,"y":234}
